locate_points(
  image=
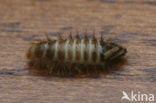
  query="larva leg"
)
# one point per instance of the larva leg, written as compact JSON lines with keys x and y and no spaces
{"x":51,"y":69}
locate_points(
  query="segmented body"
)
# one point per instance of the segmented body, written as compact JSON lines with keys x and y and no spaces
{"x":73,"y":56}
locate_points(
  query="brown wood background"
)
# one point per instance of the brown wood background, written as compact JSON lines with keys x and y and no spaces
{"x":131,"y":23}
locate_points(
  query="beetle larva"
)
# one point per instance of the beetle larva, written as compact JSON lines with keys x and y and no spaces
{"x":73,"y":56}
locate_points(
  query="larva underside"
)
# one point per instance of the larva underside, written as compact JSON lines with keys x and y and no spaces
{"x":73,"y":56}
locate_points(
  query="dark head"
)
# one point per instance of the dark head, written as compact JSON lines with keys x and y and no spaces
{"x":113,"y":51}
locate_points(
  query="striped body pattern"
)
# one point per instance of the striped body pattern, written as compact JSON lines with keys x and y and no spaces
{"x":73,"y":56}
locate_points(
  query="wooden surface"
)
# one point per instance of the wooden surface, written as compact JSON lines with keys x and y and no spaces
{"x":131,"y":23}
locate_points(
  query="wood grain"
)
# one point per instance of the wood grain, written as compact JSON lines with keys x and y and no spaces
{"x":131,"y":23}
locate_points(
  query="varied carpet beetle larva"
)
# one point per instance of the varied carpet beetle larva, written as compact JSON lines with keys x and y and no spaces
{"x":73,"y":56}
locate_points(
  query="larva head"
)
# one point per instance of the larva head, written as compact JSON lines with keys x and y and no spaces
{"x":113,"y":51}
